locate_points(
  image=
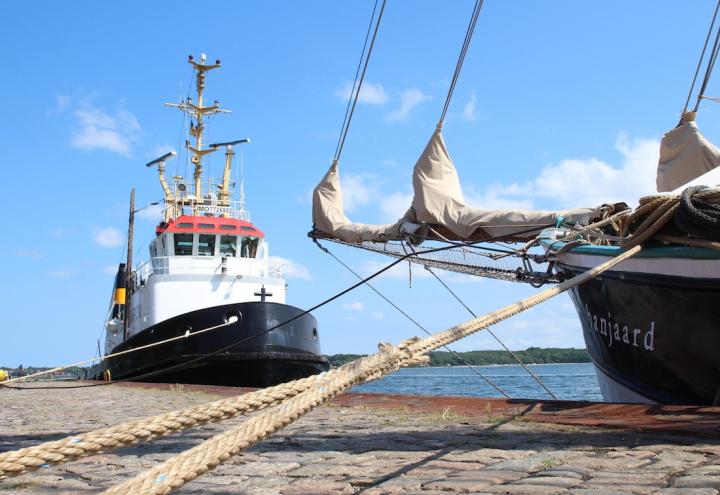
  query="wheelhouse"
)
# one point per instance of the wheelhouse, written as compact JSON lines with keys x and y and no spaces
{"x":206,"y":236}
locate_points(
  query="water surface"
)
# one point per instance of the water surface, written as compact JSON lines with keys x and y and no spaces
{"x":568,"y":381}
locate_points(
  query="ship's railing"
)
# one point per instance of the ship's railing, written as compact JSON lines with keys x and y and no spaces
{"x":205,"y":265}
{"x":210,"y":207}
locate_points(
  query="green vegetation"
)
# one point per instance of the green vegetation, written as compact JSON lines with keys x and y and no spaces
{"x":481,"y":358}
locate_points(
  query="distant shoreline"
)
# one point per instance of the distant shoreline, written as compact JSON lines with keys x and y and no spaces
{"x":533,"y":355}
{"x":438,"y":359}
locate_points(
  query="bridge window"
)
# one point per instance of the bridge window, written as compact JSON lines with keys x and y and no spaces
{"x":183,"y":244}
{"x":225,"y":226}
{"x":206,"y":244}
{"x":206,"y":225}
{"x":248,"y":248}
{"x":228,"y":245}
{"x":185,"y":225}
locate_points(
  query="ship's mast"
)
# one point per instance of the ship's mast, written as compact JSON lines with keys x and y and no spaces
{"x":198,"y":112}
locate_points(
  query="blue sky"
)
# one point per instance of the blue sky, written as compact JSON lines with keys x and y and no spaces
{"x":559,"y":104}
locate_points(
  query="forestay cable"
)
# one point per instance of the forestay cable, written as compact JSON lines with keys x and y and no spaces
{"x":357,"y":85}
{"x":711,"y":60}
{"x":461,"y":58}
{"x":702,"y":56}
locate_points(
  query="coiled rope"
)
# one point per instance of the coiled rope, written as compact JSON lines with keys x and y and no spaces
{"x":695,"y":211}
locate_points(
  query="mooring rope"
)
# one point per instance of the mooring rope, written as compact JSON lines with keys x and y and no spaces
{"x":187,"y":466}
{"x":186,"y":335}
{"x":14,"y":463}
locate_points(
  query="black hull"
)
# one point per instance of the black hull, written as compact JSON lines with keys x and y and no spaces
{"x":655,"y":337}
{"x":259,"y":359}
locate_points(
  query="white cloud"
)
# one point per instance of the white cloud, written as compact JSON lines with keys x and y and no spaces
{"x":372,"y":94}
{"x":62,"y":273}
{"x":160,"y":150}
{"x":109,"y":237}
{"x":599,"y":181}
{"x":551,"y":324}
{"x":577,"y":182}
{"x":61,"y":103}
{"x":390,"y":163}
{"x":498,"y":197}
{"x":470,"y":110}
{"x":289,"y":268}
{"x":409,"y":99}
{"x":151,"y":212}
{"x":359,"y":190}
{"x":354,"y":306}
{"x":97,"y":129}
{"x":394,"y":205}
{"x":110,"y":269}
{"x":378,"y":315}
{"x":29,"y":253}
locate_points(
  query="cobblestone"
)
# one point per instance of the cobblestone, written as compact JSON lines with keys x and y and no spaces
{"x":359,"y":450}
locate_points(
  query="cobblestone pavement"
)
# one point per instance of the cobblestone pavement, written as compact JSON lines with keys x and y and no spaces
{"x":360,"y":450}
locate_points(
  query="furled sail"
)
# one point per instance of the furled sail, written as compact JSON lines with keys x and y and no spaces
{"x":685,"y":154}
{"x":438,"y":202}
{"x":329,"y":214}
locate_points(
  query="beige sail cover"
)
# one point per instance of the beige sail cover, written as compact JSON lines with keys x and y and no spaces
{"x":439,"y":200}
{"x":685,"y":154}
{"x":329,"y":214}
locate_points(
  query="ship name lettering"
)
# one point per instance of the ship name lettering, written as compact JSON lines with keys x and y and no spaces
{"x":616,"y":332}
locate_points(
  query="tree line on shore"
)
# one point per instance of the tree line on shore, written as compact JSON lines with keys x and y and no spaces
{"x":535,"y":355}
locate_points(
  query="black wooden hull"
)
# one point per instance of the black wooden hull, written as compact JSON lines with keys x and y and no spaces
{"x":257,"y":358}
{"x":653,"y":337}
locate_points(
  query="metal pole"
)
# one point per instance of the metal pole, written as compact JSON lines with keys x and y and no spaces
{"x":129,"y":273}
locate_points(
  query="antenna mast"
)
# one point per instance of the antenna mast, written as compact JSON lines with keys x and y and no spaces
{"x":197,"y":112}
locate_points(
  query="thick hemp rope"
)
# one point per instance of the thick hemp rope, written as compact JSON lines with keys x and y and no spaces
{"x":194,"y":462}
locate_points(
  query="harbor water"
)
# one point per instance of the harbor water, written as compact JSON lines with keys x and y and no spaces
{"x":568,"y":381}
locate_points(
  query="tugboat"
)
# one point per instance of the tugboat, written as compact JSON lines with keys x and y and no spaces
{"x":208,"y":270}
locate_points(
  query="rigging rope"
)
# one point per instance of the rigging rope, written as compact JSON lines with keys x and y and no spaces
{"x":461,"y":58}
{"x":414,"y":322}
{"x":702,"y":56}
{"x":357,"y":85}
{"x":515,"y":356}
{"x":711,"y":59}
{"x":357,"y":74}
